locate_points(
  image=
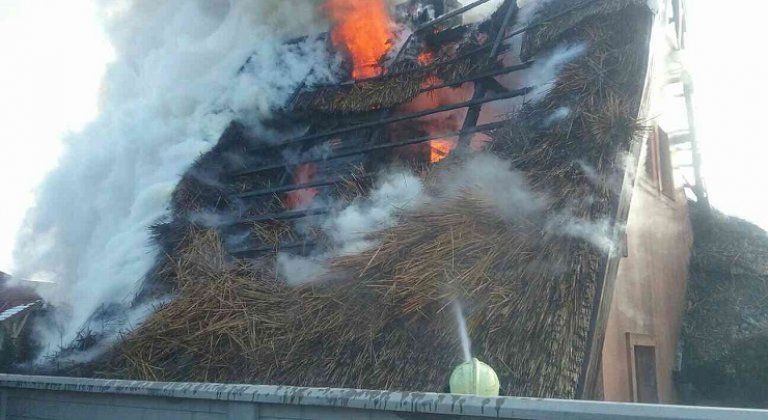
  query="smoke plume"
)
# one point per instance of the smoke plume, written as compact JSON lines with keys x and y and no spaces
{"x":178,"y":81}
{"x":543,"y":74}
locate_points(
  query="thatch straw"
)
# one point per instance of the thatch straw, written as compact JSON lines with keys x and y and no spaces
{"x":379,"y":319}
{"x":552,"y":29}
{"x":385,"y":92}
{"x":602,"y":90}
{"x":725,"y":329}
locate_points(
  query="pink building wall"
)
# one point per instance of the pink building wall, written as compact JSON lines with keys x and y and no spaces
{"x":649,"y":291}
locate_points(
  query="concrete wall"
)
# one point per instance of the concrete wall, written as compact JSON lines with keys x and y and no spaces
{"x":650,"y":288}
{"x":39,"y":397}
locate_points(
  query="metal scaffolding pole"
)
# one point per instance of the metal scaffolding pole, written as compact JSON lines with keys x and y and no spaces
{"x":473,"y":113}
{"x":699,"y":189}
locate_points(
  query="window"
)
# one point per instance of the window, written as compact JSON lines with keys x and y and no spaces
{"x":651,"y":163}
{"x":665,"y":164}
{"x":645,"y":374}
{"x":641,"y":352}
{"x":658,"y":163}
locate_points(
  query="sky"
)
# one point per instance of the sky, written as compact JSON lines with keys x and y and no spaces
{"x":726,"y":56}
{"x":55,"y":54}
{"x":53,"y":57}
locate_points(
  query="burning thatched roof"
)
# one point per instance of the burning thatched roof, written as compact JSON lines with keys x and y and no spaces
{"x":556,"y":18}
{"x":440,"y":60}
{"x":377,"y":318}
{"x":392,"y":89}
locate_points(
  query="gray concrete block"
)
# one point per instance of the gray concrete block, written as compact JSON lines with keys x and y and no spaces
{"x":333,"y":413}
{"x":382,"y":415}
{"x":70,"y":397}
{"x":150,"y":413}
{"x":17,"y":407}
{"x":13,"y":409}
{"x":276,"y":411}
{"x":43,"y":409}
{"x":159,"y":403}
{"x":117,"y":413}
{"x":221,"y":407}
{"x":3,"y":404}
{"x":242,"y":411}
{"x":209,"y":416}
{"x":204,"y":406}
{"x":78,"y":410}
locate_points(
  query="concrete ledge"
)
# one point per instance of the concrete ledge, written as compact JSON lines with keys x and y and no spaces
{"x":399,"y":402}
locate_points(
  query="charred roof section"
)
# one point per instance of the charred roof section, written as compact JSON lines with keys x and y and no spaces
{"x":378,"y":318}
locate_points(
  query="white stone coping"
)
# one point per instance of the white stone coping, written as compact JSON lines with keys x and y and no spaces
{"x":406,"y":402}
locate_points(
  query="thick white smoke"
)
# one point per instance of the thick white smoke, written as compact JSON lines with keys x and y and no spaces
{"x":482,"y":12}
{"x":350,"y":228}
{"x":175,"y":85}
{"x":529,"y":9}
{"x":543,"y":74}
{"x":491,"y":177}
{"x":397,"y":191}
{"x":495,"y":179}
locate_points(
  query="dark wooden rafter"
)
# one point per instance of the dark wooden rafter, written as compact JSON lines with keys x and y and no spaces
{"x":347,"y":153}
{"x":466,"y":132}
{"x":382,"y":146}
{"x":312,"y":138}
{"x":473,"y":113}
{"x":247,"y":252}
{"x":298,"y":214}
{"x":511,"y":11}
{"x":294,"y":187}
{"x":479,"y":76}
{"x":283,"y":215}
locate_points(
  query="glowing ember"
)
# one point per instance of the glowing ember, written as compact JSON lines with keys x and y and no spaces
{"x":302,"y":198}
{"x":440,"y":149}
{"x":425,"y":58}
{"x":443,"y":122}
{"x":363,"y":29}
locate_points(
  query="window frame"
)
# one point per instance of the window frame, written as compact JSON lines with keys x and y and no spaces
{"x":640,"y":340}
{"x":657,"y":163}
{"x":666,"y":176}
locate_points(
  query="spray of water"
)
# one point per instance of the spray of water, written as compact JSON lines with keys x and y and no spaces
{"x":462,"y":324}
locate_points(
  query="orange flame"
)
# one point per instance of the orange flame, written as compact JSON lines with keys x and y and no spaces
{"x":425,"y":58}
{"x":440,"y":149}
{"x":443,"y":122}
{"x":302,"y":198}
{"x":362,"y":28}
